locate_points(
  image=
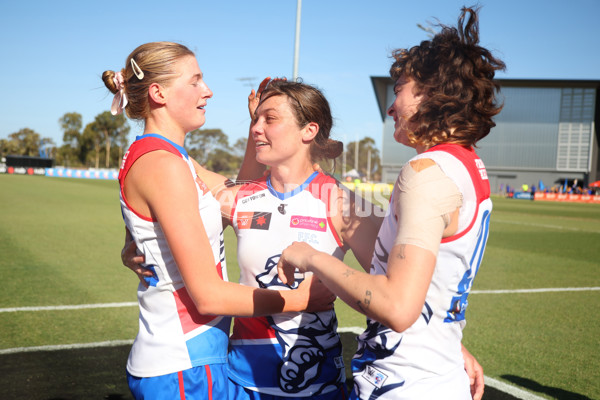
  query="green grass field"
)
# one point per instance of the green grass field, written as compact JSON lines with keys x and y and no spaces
{"x":60,"y":242}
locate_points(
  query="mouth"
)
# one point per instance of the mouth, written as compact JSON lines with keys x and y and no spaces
{"x":261,"y":144}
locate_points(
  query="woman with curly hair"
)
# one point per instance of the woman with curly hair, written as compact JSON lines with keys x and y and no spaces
{"x":431,"y":243}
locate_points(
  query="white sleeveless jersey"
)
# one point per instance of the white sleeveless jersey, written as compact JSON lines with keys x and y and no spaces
{"x":173,"y":336}
{"x":425,"y":361}
{"x":287,"y":354}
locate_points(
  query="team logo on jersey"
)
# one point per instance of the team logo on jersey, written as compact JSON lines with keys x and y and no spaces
{"x":312,"y":223}
{"x":253,"y":220}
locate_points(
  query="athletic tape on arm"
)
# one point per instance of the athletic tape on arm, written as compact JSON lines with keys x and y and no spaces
{"x":424,"y":205}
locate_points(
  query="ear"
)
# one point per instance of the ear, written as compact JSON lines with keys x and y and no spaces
{"x":157,"y":94}
{"x":310,"y":131}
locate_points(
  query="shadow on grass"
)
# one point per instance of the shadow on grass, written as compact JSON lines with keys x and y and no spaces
{"x":555,"y":393}
{"x":99,"y":373}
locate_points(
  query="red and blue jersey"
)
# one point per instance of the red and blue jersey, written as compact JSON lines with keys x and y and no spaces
{"x":173,"y":336}
{"x":425,"y":361}
{"x":287,"y":354}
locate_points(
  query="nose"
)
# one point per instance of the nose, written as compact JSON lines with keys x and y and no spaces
{"x":390,"y":111}
{"x":256,"y":128}
{"x":209,"y":93}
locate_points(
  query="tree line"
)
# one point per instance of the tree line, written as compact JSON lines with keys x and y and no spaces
{"x":102,"y":143}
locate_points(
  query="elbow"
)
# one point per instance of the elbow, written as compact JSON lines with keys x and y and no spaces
{"x":399,"y":319}
{"x":208,"y":305}
{"x":206,"y":308}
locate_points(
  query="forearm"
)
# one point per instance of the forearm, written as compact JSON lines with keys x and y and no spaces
{"x":368,"y":294}
{"x":228,"y":298}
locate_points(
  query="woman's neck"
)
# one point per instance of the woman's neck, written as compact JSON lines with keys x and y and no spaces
{"x":285,"y":179}
{"x":164,"y":128}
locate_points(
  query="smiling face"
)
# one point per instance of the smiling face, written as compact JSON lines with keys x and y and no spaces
{"x":188,"y":95}
{"x":403,"y":108}
{"x":276,"y":133}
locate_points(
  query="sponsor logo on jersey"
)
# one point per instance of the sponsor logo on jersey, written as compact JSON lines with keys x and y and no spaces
{"x":253,"y":220}
{"x":305,"y":222}
{"x":253,"y":197}
{"x":310,"y":238}
{"x":281,"y":208}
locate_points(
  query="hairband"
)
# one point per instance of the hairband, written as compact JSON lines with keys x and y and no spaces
{"x":120,"y":100}
{"x":137,"y":70}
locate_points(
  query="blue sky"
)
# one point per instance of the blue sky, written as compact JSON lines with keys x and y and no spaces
{"x":54,"y":52}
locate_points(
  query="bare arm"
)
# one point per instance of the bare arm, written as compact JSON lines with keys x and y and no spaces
{"x":357,"y":221}
{"x":183,"y":227}
{"x":394,"y":299}
{"x":475,"y":372}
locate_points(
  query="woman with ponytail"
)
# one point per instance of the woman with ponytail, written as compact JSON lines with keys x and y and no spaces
{"x":174,"y":220}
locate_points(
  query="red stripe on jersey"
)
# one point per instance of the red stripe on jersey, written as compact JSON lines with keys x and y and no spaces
{"x":316,"y":189}
{"x":470,"y":160}
{"x":252,"y":328}
{"x":474,"y":166}
{"x":189,"y":316}
{"x":135,"y":151}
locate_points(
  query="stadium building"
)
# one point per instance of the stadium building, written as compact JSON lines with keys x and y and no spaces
{"x":545,"y":135}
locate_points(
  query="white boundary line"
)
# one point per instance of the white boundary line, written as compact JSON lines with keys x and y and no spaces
{"x":557,"y":227}
{"x":111,"y":343}
{"x":510,"y":389}
{"x":72,"y":307}
{"x":545,"y":290}
{"x":133,"y":304}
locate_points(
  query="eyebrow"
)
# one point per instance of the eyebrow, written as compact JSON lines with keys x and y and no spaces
{"x":268,"y":109}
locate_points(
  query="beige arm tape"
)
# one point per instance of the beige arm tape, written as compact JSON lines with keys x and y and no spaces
{"x":424,"y":205}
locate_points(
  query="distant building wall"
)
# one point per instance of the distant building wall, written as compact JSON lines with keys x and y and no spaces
{"x":545,"y":132}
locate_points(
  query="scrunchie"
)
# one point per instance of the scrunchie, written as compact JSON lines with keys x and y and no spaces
{"x":120,"y":100}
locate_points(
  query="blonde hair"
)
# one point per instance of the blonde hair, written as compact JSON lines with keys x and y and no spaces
{"x":156,"y":60}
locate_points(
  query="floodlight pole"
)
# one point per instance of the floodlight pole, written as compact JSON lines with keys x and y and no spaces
{"x":297,"y":41}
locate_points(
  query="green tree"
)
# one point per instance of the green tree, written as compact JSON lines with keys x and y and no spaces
{"x":224,"y":162}
{"x":369,"y":162}
{"x":91,"y":142}
{"x":27,"y":142}
{"x":239,"y":147}
{"x":200,"y":143}
{"x":8,"y":146}
{"x":69,"y":152}
{"x":112,"y":128}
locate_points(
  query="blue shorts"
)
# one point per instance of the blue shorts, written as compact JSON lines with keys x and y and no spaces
{"x":204,"y":382}
{"x":239,"y":392}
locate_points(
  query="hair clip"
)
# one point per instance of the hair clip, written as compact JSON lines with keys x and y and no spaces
{"x":137,"y":70}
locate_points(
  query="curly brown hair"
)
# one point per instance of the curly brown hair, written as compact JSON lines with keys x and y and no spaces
{"x":455,"y":76}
